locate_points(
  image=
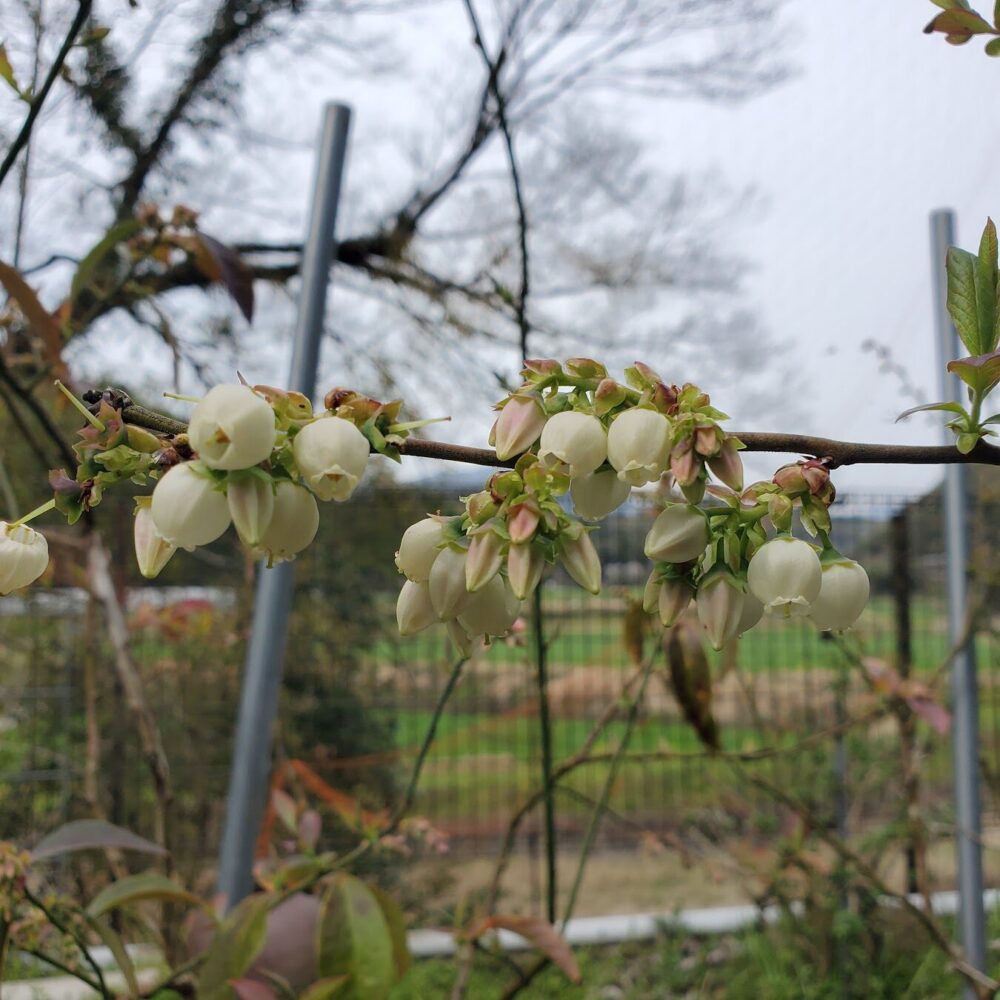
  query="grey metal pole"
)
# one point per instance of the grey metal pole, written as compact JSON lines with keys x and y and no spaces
{"x":251,"y":763}
{"x":964,"y":691}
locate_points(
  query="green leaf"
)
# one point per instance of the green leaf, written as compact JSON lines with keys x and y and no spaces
{"x":7,"y":71}
{"x":137,"y":889}
{"x":393,"y":914}
{"x":354,"y":940}
{"x":986,"y":287}
{"x":118,"y":233}
{"x":960,"y":22}
{"x":85,"y":834}
{"x":234,"y":947}
{"x":993,"y":47}
{"x":962,"y":304}
{"x":327,"y":989}
{"x":950,"y":407}
{"x":966,"y":442}
{"x":981,"y":374}
{"x":996,"y":14}
{"x":118,"y":950}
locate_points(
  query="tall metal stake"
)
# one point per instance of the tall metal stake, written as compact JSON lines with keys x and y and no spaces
{"x":964,"y":691}
{"x":251,"y":764}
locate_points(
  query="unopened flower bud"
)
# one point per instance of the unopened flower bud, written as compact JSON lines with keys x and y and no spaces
{"x":491,"y":611}
{"x":679,"y":534}
{"x":414,"y":611}
{"x":232,"y":428}
{"x":575,"y":439}
{"x":694,"y":492}
{"x":331,"y":454}
{"x":449,"y":595}
{"x":706,"y":440}
{"x":24,"y":556}
{"x":785,"y":576}
{"x":480,"y":506}
{"x":651,"y":592}
{"x":673,"y":600}
{"x":585,"y":368}
{"x":522,"y":522}
{"x":418,"y":548}
{"x":727,"y":466}
{"x":581,"y":561}
{"x":525,"y":564}
{"x":597,"y":495}
{"x":484,"y":559}
{"x":720,"y":607}
{"x":638,"y":445}
{"x":251,"y":505}
{"x":518,"y":426}
{"x":842,"y":596}
{"x":187,"y":509}
{"x":152,"y":551}
{"x":684,"y":464}
{"x":293,"y":523}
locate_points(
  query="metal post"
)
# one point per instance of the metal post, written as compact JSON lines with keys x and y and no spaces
{"x":262,"y":672}
{"x":965,"y":696}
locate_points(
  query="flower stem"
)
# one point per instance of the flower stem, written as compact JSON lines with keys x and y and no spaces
{"x":31,"y":515}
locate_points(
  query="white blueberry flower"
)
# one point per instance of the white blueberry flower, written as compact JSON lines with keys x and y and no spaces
{"x":414,"y":611}
{"x":785,"y":576}
{"x":597,"y":495}
{"x":293,"y":523}
{"x":639,"y":445}
{"x":24,"y":556}
{"x":753,"y":611}
{"x":518,"y":426}
{"x":458,"y":635}
{"x":187,"y":509}
{"x":331,"y":455}
{"x":492,"y":610}
{"x":679,"y":534}
{"x":152,"y":550}
{"x":232,"y":428}
{"x":577,"y":440}
{"x":449,"y":595}
{"x":720,"y":601}
{"x":418,"y":548}
{"x":251,"y":505}
{"x":842,"y":596}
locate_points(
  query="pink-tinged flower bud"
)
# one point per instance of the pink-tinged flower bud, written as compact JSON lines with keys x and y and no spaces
{"x":785,"y":576}
{"x":152,"y":551}
{"x":727,"y":466}
{"x":541,"y":366}
{"x":24,"y":556}
{"x":673,"y":600}
{"x":706,"y":440}
{"x":753,"y":611}
{"x":608,"y":395}
{"x":679,"y":534}
{"x":449,"y":595}
{"x":791,"y":480}
{"x":581,"y":561}
{"x":842,"y":596}
{"x":684,"y":464}
{"x":414,"y":611}
{"x":597,"y":495}
{"x":331,"y":454}
{"x":483,"y":561}
{"x":491,"y":611}
{"x":461,"y":638}
{"x":577,"y":440}
{"x":525,"y":564}
{"x":418,"y":548}
{"x":251,"y":505}
{"x":522,"y":522}
{"x":720,"y":607}
{"x":518,"y":426}
{"x":187,"y":509}
{"x":651,"y":592}
{"x":232,"y":428}
{"x":639,"y":445}
{"x":293,"y":523}
{"x":816,"y":475}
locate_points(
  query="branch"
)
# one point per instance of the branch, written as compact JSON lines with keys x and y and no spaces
{"x":82,"y":13}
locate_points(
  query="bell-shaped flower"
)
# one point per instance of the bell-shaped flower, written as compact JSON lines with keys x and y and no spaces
{"x":753,"y":611}
{"x":597,"y":495}
{"x":418,"y":548}
{"x":251,"y":505}
{"x":727,"y":466}
{"x":458,"y":635}
{"x":293,"y":523}
{"x":581,"y":561}
{"x":639,"y":445}
{"x":414,"y":611}
{"x":842,"y":595}
{"x":673,"y":600}
{"x":720,"y":603}
{"x":232,"y":428}
{"x":152,"y":550}
{"x":449,"y":594}
{"x":492,"y":610}
{"x":679,"y":534}
{"x":24,"y":556}
{"x":188,"y":509}
{"x":525,"y":564}
{"x":484,"y":559}
{"x":331,"y":454}
{"x":577,"y":440}
{"x":518,"y":426}
{"x":785,"y":576}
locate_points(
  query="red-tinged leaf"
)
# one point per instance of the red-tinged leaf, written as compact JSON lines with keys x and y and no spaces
{"x":41,"y":321}
{"x":543,"y":935}
{"x":933,"y":713}
{"x":310,"y":827}
{"x":138,"y":889}
{"x":251,"y":989}
{"x":981,"y":373}
{"x":284,"y":806}
{"x":86,"y":834}
{"x":332,"y":988}
{"x":228,"y":269}
{"x":882,"y":677}
{"x":960,"y":22}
